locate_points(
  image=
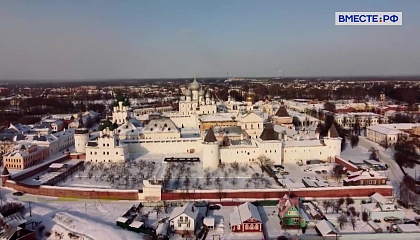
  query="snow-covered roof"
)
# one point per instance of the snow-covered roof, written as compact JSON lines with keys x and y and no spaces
{"x":208,"y":221}
{"x":325,"y":228}
{"x":235,"y":218}
{"x":187,"y":209}
{"x":392,"y":129}
{"x":57,"y":165}
{"x":147,"y":184}
{"x":122,"y":219}
{"x":370,"y":206}
{"x":219,"y":117}
{"x":136,"y":224}
{"x":244,"y":212}
{"x":377,"y":197}
{"x":162,"y":228}
{"x":406,"y":228}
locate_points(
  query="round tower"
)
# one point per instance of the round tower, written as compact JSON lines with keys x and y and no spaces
{"x":5,"y":175}
{"x":81,"y":138}
{"x":211,"y":151}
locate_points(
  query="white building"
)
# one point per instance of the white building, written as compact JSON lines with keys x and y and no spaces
{"x":107,"y":147}
{"x":388,"y":132}
{"x":184,"y":219}
{"x":120,"y":113}
{"x":197,"y":101}
{"x":168,"y":135}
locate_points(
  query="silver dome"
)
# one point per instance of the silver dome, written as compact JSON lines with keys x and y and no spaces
{"x":195,"y":86}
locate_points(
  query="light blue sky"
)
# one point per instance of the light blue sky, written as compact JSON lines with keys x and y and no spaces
{"x":143,"y":39}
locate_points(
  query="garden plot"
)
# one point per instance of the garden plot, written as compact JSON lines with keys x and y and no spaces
{"x":227,"y":176}
{"x":175,"y":175}
{"x":129,"y":175}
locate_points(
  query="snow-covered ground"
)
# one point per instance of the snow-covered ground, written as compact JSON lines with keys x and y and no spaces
{"x":182,"y":175}
{"x":88,"y":219}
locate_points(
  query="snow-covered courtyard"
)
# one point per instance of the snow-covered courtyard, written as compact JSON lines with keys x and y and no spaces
{"x":175,"y":175}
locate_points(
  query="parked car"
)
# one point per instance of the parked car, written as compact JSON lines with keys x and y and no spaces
{"x":18,"y":193}
{"x":307,"y":170}
{"x":284,"y":173}
{"x":391,"y":219}
{"x":377,"y":220}
{"x":410,"y":221}
{"x":318,"y":172}
{"x":215,"y":207}
{"x":324,"y":172}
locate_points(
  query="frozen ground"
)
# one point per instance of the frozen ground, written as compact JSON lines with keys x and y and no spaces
{"x":84,"y":218}
{"x":297,"y":173}
{"x":175,"y":175}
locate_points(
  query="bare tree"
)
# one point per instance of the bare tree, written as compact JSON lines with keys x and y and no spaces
{"x":234,"y":181}
{"x":342,"y":220}
{"x":158,"y":209}
{"x":264,"y":161}
{"x":353,"y":223}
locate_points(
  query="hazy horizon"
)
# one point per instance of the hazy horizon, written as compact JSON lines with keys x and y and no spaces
{"x":92,"y":40}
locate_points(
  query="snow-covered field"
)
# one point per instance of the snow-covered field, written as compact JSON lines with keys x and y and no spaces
{"x":84,"y":218}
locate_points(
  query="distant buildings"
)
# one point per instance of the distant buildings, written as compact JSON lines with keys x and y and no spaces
{"x":389,"y":132}
{"x":217,"y":137}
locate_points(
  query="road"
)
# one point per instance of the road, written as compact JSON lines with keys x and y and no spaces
{"x":394,"y":171}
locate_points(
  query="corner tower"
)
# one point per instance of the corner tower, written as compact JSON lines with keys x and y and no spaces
{"x":211,"y":151}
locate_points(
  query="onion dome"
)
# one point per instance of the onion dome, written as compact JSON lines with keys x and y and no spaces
{"x":249,"y":98}
{"x":101,"y":127}
{"x":126,"y":103}
{"x":115,"y":125}
{"x":189,"y":93}
{"x":208,"y":94}
{"x":201,"y":93}
{"x":194,"y":86}
{"x":120,"y":98}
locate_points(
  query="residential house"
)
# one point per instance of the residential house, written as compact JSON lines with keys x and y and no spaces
{"x":184,"y":219}
{"x":246,"y":218}
{"x":289,"y":213}
{"x":326,"y":229}
{"x":380,"y":207}
{"x":364,"y":177}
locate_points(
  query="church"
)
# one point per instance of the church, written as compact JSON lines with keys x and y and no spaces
{"x":215,"y":137}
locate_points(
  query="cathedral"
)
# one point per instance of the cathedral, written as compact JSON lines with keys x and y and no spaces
{"x":197,"y":101}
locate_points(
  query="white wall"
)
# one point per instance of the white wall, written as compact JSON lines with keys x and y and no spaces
{"x":163,"y":146}
{"x":239,"y":154}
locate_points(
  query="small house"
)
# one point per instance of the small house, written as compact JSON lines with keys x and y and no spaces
{"x":289,"y":214}
{"x":380,"y":207}
{"x":184,"y":219}
{"x":326,"y":229}
{"x":246,"y":218}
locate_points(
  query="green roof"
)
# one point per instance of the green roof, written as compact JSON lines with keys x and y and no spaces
{"x":120,"y":99}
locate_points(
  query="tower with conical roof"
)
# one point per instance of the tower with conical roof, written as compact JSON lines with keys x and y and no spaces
{"x":5,"y":175}
{"x":270,"y":145}
{"x":211,"y":150}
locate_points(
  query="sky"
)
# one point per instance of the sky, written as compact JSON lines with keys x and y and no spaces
{"x":61,"y":39}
